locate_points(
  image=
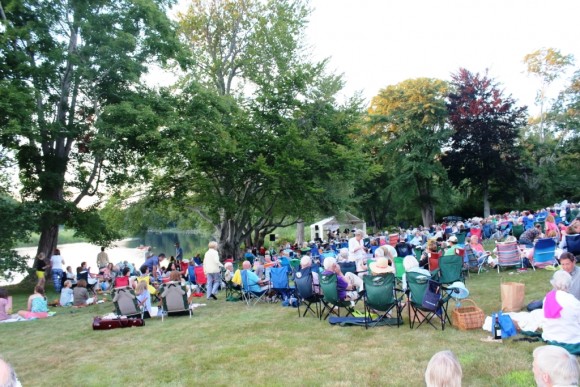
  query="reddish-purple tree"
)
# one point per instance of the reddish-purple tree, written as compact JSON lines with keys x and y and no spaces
{"x":483,"y":147}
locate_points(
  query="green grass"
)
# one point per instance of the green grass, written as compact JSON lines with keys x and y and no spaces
{"x":228,"y":344}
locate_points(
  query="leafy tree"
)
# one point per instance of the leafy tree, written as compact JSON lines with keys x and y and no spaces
{"x":547,"y":64}
{"x":483,"y":148}
{"x":407,"y":127}
{"x":264,"y":142}
{"x":71,"y":106}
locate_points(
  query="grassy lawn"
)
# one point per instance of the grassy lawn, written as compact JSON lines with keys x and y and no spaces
{"x":231,"y":344}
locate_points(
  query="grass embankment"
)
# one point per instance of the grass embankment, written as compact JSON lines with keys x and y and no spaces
{"x":228,"y":344}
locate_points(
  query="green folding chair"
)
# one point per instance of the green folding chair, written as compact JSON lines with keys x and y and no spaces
{"x":330,"y":299}
{"x":417,"y":285}
{"x":380,"y":297}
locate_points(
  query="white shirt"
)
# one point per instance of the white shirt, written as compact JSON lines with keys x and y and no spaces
{"x":565,"y":329}
{"x":358,"y":255}
{"x":56,"y":262}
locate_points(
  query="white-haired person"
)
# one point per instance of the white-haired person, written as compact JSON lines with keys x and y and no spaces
{"x":347,"y":285}
{"x":554,"y":366}
{"x":357,"y":251}
{"x":212,"y":268}
{"x":561,"y":309}
{"x":412,"y":266}
{"x":229,"y":271}
{"x":342,"y":255}
{"x":8,"y":375}
{"x":443,"y":370}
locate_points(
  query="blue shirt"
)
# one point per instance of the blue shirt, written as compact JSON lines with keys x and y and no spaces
{"x":152,"y":261}
{"x":179,"y":253}
{"x":253,"y":281}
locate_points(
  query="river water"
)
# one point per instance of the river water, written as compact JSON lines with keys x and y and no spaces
{"x":131,"y":250}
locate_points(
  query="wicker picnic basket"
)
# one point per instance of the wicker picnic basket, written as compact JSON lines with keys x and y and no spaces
{"x":468,"y":317}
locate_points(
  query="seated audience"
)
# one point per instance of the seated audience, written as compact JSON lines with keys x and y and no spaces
{"x":554,"y":366}
{"x":443,"y":370}
{"x":70,"y":276}
{"x":255,"y":284}
{"x":229,"y":271}
{"x":81,"y":294}
{"x":531,"y":235}
{"x":452,"y":246}
{"x":568,"y":264}
{"x":4,"y":305}
{"x":347,"y":285}
{"x":144,"y":298}
{"x":66,"y":294}
{"x":561,"y":312}
{"x":343,"y":255}
{"x":411,"y":265}
{"x":37,"y":305}
{"x":381,"y":266}
{"x":431,"y":248}
{"x":306,"y":264}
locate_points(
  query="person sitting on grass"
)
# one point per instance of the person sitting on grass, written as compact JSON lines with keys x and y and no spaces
{"x":81,"y":295}
{"x":443,"y":370}
{"x":37,"y":305}
{"x":4,"y":305}
{"x":561,"y":312}
{"x":66,"y":294}
{"x":554,"y":366}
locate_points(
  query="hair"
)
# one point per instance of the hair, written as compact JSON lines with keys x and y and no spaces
{"x":40,"y":290}
{"x":246,"y":265}
{"x":229,"y":265}
{"x":410,"y":262}
{"x":550,"y":218}
{"x":569,"y":256}
{"x":561,"y":366}
{"x":171,"y":266}
{"x":67,"y":283}
{"x":343,"y":252}
{"x":9,"y":378}
{"x":40,"y":256}
{"x":83,"y":264}
{"x":141,"y":287}
{"x":551,"y":234}
{"x":305,"y":261}
{"x":81,"y":283}
{"x":175,"y":276}
{"x":3,"y":293}
{"x":143,"y":269}
{"x":358,"y":232}
{"x":329,"y":263}
{"x":56,"y":252}
{"x":102,"y":249}
{"x":443,"y":370}
{"x":561,"y":280}
{"x":126,"y":271}
{"x":212,"y":245}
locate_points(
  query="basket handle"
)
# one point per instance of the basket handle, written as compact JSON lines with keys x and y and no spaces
{"x":470,"y":300}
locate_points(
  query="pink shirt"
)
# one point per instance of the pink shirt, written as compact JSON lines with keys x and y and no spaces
{"x":477,"y":247}
{"x":3,"y":306}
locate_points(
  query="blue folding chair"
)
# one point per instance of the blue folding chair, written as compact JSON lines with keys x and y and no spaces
{"x":279,"y":282}
{"x":544,"y":251}
{"x":573,"y":244}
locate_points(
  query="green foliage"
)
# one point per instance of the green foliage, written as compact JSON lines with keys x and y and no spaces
{"x":72,"y":110}
{"x":407,"y":130}
{"x":17,"y":221}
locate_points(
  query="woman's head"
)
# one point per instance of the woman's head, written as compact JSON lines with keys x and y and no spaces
{"x":443,"y":370}
{"x":561,"y":280}
{"x":410,"y":262}
{"x":171,"y":266}
{"x":329,"y":263}
{"x":39,"y":289}
{"x":126,"y":271}
{"x":56,"y":252}
{"x":175,"y":276}
{"x":81,"y":283}
{"x":343,"y":253}
{"x":550,"y":218}
{"x":141,"y":287}
{"x":83,"y":264}
{"x":474,"y":239}
{"x":212,"y":245}
{"x":3,"y":293}
{"x":40,"y":256}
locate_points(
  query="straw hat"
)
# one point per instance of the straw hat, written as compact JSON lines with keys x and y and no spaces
{"x":380,"y":266}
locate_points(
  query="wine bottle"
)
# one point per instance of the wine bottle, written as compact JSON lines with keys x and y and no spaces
{"x":497,"y":329}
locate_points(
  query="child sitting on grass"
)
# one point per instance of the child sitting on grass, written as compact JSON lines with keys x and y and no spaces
{"x":37,"y":305}
{"x":81,"y":295}
{"x":144,"y":298}
{"x":66,"y":294}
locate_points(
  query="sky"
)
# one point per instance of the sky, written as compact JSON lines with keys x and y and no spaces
{"x":376,"y":43}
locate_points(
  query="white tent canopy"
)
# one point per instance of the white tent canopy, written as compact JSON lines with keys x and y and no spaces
{"x":346,"y":220}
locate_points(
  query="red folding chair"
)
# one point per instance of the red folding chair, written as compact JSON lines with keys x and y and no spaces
{"x":434,"y":261}
{"x":200,"y":278}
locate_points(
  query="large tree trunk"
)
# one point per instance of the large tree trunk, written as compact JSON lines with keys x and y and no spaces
{"x":426,"y":202}
{"x":300,"y":232}
{"x":229,"y":240}
{"x":485,"y":201}
{"x":428,"y":214}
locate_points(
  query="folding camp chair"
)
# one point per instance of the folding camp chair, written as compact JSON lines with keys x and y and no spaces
{"x":450,"y":270}
{"x":295,"y":265}
{"x":460,"y":238}
{"x":393,"y":239}
{"x":399,"y":268}
{"x":380,"y":297}
{"x":508,"y":254}
{"x":347,"y":267}
{"x":518,"y":230}
{"x":544,"y":251}
{"x":174,"y":299}
{"x":573,"y":244}
{"x":473,"y":262}
{"x":126,"y":303}
{"x":419,"y":312}
{"x":233,"y":290}
{"x":200,"y":278}
{"x":434,"y":260}
{"x":279,"y":282}
{"x":330,"y":299}
{"x":306,"y":293}
{"x":475,"y":231}
{"x":251,"y":297}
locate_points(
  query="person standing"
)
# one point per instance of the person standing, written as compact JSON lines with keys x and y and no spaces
{"x":57,"y":265}
{"x":40,"y":265}
{"x":357,"y":251}
{"x":102,"y":259}
{"x":211,"y":267}
{"x":178,"y":252}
